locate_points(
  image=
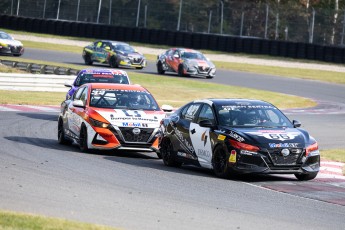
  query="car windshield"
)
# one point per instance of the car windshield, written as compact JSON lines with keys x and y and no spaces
{"x":124,"y":48}
{"x":193,"y":55}
{"x":5,"y":36}
{"x":101,"y":78}
{"x":250,"y":115}
{"x":123,"y":99}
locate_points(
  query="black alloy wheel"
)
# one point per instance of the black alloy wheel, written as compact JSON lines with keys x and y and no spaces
{"x":168,"y":154}
{"x":160,"y":69}
{"x":83,"y":139}
{"x":61,"y":134}
{"x":220,"y":163}
{"x":306,"y":176}
{"x":180,"y":71}
{"x":88,"y":60}
{"x":113,"y":63}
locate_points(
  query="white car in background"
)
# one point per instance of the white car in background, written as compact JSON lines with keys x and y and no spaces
{"x":10,"y":46}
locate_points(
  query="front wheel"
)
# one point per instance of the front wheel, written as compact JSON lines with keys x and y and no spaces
{"x":113,"y":63}
{"x":306,"y":176}
{"x":181,"y":71}
{"x":220,"y":163}
{"x":61,"y":135}
{"x":83,"y":140}
{"x":160,"y":69}
{"x":168,"y":154}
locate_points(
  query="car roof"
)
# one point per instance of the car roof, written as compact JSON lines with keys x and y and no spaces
{"x":117,"y":42}
{"x":221,"y":101}
{"x":116,"y":86}
{"x":110,"y":71}
{"x":186,"y":50}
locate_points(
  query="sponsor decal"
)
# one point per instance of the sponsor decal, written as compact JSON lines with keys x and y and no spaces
{"x":232,"y":158}
{"x":184,"y":142}
{"x":283,"y":145}
{"x":136,"y":131}
{"x":204,"y":138}
{"x":236,"y":107}
{"x":129,"y":124}
{"x":204,"y":153}
{"x":221,"y":137}
{"x":236,"y":136}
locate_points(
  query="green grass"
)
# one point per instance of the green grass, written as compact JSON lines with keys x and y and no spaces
{"x":326,"y":76}
{"x":5,"y":69}
{"x":334,"y":155}
{"x":20,"y":221}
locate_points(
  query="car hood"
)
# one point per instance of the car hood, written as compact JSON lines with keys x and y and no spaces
{"x":132,"y":118}
{"x":199,"y":62}
{"x":10,"y":42}
{"x":271,"y":138}
{"x":132,"y":54}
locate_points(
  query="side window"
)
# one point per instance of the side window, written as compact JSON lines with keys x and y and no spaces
{"x":83,"y":96}
{"x":189,"y":112}
{"x":77,"y":94}
{"x":206,"y":113}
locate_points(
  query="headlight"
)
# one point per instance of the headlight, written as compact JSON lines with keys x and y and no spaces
{"x":312,"y":150}
{"x":245,"y":149}
{"x":99,"y":124}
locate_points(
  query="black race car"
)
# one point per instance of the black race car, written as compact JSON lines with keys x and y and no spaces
{"x":116,"y":54}
{"x":238,"y":136}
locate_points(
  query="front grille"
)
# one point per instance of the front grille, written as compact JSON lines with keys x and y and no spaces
{"x":203,"y":69}
{"x":292,"y":159}
{"x":136,"y":60}
{"x":16,"y":49}
{"x":129,"y":136}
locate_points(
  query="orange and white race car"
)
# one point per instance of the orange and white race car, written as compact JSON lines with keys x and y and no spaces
{"x":111,"y":116}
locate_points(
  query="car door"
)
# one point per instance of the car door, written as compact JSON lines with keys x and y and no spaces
{"x":98,"y":55}
{"x":182,"y":131}
{"x":74,"y":114}
{"x":200,"y":136}
{"x":175,"y":60}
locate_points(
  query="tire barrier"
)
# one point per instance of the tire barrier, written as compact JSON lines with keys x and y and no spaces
{"x":217,"y":42}
{"x":40,"y":69}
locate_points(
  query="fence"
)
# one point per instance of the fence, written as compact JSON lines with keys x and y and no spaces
{"x":278,"y":20}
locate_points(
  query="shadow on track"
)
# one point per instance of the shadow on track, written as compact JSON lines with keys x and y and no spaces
{"x":40,"y":116}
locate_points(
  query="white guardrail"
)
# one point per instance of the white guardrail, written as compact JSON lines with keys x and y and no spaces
{"x":35,"y":82}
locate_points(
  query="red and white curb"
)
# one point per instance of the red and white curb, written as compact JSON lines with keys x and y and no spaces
{"x":332,"y":168}
{"x":29,"y":108}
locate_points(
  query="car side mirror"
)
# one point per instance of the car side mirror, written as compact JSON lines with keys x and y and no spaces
{"x":78,"y":103}
{"x":176,"y":56}
{"x":296,"y":124}
{"x":206,"y":123}
{"x":167,"y":108}
{"x":68,"y":84}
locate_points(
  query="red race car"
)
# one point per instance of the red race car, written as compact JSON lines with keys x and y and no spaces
{"x":185,"y":62}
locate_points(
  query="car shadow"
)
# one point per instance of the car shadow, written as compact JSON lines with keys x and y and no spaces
{"x":41,"y":116}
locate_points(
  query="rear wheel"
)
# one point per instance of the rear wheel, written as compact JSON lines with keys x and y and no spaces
{"x":83,"y":139}
{"x":306,"y":176}
{"x":168,"y":154}
{"x":87,"y":59}
{"x":220,"y":163}
{"x":160,"y":69}
{"x":61,"y":134}
{"x":113,"y":63}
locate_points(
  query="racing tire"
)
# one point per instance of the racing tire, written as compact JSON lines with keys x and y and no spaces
{"x":113,"y":63}
{"x":159,"y":155}
{"x":87,"y":59}
{"x":160,"y":69}
{"x":168,"y":154}
{"x":83,"y":140}
{"x":180,"y":71}
{"x":220,"y":163}
{"x":306,"y":176}
{"x":62,"y":140}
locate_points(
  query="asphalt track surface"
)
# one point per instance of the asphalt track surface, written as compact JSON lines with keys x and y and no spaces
{"x":136,"y":191}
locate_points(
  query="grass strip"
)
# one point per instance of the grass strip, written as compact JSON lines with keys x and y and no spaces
{"x":337,"y":155}
{"x":19,"y":221}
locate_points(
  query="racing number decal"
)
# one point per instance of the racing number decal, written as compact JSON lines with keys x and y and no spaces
{"x":133,"y":113}
{"x":279,"y":136}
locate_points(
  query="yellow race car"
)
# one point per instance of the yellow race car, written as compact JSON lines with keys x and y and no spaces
{"x":116,"y":54}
